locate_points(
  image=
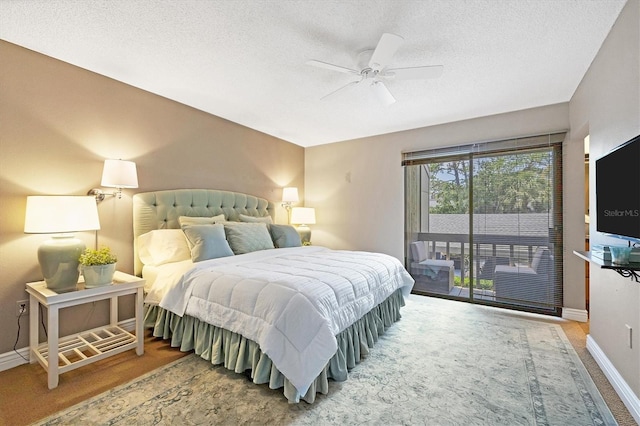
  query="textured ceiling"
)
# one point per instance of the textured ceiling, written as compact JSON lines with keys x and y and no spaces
{"x":244,"y":60}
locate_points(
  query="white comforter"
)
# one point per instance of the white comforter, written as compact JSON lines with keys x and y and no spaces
{"x":292,"y":302}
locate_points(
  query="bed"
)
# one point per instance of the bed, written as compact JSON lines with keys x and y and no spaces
{"x":226,"y":282}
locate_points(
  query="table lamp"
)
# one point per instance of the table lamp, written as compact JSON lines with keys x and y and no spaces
{"x":59,"y":216}
{"x":303,"y":216}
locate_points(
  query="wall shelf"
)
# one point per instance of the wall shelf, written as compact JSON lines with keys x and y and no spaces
{"x":631,"y":270}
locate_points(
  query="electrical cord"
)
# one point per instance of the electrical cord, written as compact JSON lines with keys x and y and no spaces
{"x":42,"y":322}
{"x":18,"y":338}
{"x":18,"y":333}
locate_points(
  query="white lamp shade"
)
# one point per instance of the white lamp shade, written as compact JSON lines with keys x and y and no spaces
{"x":51,"y":214}
{"x":303,"y":216}
{"x":290,"y":195}
{"x":60,"y":214}
{"x":119,"y":174}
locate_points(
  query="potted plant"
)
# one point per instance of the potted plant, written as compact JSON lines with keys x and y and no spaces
{"x":98,"y":266}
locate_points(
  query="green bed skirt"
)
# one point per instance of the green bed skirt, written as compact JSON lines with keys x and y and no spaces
{"x":223,"y":347}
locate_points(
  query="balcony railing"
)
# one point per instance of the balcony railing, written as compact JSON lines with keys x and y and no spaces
{"x":510,"y":249}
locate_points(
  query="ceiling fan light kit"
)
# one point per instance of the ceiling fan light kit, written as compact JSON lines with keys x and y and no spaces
{"x":375,"y":71}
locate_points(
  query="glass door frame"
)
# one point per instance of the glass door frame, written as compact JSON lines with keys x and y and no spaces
{"x":554,"y":239}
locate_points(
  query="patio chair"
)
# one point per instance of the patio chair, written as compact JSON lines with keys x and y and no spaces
{"x":527,"y":285}
{"x":435,"y":273}
{"x":488,"y":268}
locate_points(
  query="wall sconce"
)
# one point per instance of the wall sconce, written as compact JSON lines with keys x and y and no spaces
{"x":116,"y":174}
{"x":60,"y":215}
{"x":303,"y":216}
{"x":289,"y":196}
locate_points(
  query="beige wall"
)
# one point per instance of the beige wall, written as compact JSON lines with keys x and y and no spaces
{"x":58,"y":124}
{"x":606,"y":105}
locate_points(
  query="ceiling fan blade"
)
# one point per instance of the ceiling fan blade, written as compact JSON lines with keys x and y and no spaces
{"x":383,"y":93}
{"x":386,"y":48}
{"x":331,"y":67}
{"x":353,"y":83}
{"x":414,"y":73}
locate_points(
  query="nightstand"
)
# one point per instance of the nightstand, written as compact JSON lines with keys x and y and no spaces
{"x":89,"y":346}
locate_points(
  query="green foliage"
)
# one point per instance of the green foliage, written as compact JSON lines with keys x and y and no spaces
{"x":512,"y":183}
{"x":480,"y":284}
{"x":102,"y":256}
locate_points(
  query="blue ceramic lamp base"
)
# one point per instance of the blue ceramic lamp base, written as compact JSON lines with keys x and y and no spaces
{"x":58,"y":259}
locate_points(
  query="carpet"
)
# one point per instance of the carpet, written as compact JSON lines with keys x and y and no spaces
{"x":443,"y":363}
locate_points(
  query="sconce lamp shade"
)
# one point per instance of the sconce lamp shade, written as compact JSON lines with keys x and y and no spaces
{"x":116,"y":174}
{"x":60,"y":215}
{"x":290,"y":195}
{"x":119,"y":174}
{"x":303,"y":216}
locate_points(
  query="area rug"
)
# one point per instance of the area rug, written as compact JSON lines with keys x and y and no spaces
{"x":443,"y":363}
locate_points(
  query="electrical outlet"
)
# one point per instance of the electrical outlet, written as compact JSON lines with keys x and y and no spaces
{"x":22,"y":307}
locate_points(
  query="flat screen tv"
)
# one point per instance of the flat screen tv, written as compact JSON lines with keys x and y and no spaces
{"x":618,"y":191}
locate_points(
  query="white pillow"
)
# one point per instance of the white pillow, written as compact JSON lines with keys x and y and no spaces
{"x":162,"y":246}
{"x":204,"y":220}
{"x":254,"y":219}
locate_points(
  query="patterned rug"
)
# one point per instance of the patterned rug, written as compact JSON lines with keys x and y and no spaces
{"x":443,"y":363}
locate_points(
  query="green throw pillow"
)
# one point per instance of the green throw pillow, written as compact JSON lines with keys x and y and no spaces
{"x":207,"y":242}
{"x":285,"y":236}
{"x":248,"y":237}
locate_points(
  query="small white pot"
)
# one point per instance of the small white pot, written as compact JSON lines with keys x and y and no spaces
{"x":98,"y":275}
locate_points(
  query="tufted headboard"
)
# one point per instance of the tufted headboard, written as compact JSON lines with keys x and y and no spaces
{"x":161,"y":209}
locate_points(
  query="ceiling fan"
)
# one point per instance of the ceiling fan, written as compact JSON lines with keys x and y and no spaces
{"x":374,"y":71}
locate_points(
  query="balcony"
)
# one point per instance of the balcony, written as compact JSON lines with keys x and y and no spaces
{"x":513,"y":256}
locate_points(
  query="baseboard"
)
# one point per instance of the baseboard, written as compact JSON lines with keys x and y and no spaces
{"x":580,"y":315}
{"x":12,"y":359}
{"x":630,"y":399}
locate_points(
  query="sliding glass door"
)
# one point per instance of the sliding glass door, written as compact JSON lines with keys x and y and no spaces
{"x":439,"y":241}
{"x":484,"y":224}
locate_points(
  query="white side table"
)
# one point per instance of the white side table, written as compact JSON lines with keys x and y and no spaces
{"x":83,"y":348}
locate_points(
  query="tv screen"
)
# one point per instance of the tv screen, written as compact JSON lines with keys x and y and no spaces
{"x":618,"y":191}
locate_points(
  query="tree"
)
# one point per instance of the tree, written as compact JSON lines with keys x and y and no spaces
{"x":509,"y":183}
